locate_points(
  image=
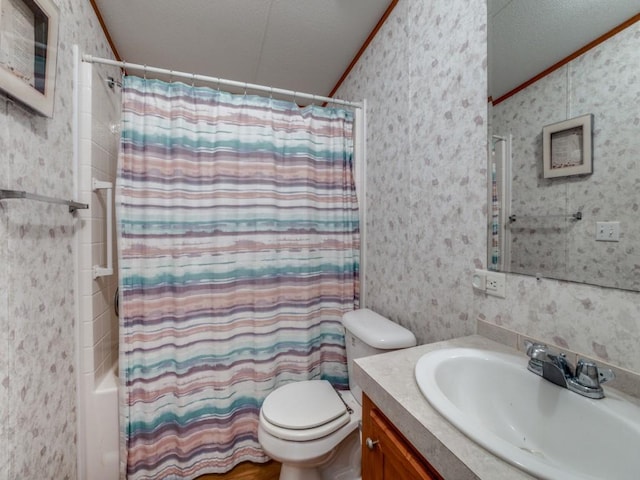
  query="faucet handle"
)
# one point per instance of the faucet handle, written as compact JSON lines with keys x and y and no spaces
{"x":536,"y":351}
{"x":589,"y":375}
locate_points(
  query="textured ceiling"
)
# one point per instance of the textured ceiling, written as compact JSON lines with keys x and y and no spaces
{"x":302,"y":45}
{"x":528,"y":36}
{"x":306,"y":45}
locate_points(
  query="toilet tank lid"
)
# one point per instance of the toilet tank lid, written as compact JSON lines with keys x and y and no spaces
{"x":377,"y":331}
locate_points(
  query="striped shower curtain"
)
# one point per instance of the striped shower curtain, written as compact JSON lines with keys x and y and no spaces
{"x":238,"y":255}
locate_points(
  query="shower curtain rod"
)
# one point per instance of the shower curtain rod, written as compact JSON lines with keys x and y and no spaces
{"x":219,"y":81}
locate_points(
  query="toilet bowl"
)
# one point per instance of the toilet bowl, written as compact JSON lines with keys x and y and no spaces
{"x":301,"y":426}
{"x":312,"y":429}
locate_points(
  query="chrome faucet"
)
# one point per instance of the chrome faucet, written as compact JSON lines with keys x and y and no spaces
{"x":585,"y":380}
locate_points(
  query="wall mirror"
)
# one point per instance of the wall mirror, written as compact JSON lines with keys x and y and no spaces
{"x":578,"y":227}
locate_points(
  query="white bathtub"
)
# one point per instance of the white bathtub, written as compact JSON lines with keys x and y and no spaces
{"x":103,"y":430}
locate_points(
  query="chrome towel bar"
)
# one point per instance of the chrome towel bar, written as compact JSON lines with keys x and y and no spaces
{"x":573,"y":216}
{"x":73,"y":205}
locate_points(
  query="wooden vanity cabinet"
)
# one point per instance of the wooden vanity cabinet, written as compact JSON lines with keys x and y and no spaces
{"x":386,"y":454}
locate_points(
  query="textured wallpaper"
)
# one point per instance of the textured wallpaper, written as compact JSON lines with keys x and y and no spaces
{"x":424,"y":77}
{"x":602,"y":82}
{"x":37,"y":312}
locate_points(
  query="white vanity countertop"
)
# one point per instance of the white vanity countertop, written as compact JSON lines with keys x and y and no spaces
{"x":388,"y":379}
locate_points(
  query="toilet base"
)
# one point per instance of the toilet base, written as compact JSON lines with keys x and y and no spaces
{"x":295,"y":472}
{"x":346,"y":461}
{"x":342,"y":463}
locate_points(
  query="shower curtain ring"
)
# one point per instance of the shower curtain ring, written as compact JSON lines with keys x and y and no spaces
{"x":193,"y":79}
{"x":145,"y":71}
{"x":271,"y":93}
{"x":170,"y":76}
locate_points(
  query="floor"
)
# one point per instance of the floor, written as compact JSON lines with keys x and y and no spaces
{"x":249,"y":471}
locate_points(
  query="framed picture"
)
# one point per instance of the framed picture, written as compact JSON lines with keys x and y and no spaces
{"x":567,"y":147}
{"x":28,"y":48}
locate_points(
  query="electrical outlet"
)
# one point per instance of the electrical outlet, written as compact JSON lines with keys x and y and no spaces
{"x":492,"y":283}
{"x":496,"y":284}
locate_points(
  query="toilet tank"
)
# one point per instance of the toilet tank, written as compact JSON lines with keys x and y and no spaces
{"x":369,"y":333}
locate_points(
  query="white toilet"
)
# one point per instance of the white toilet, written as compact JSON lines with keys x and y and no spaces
{"x":311,"y":428}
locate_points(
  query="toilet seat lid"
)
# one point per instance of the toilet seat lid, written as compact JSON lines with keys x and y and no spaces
{"x":303,"y":405}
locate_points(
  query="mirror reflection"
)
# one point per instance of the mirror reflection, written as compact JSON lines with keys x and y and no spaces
{"x":577,"y":227}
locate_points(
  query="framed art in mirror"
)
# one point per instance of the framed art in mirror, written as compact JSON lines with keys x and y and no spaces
{"x":567,"y":147}
{"x":28,"y":48}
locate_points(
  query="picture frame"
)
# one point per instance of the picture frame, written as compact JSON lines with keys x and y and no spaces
{"x":567,"y":147}
{"x":28,"y":52}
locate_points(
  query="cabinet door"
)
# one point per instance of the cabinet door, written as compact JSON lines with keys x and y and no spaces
{"x":386,"y":454}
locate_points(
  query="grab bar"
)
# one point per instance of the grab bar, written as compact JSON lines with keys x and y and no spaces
{"x":73,"y":206}
{"x":107,"y":270}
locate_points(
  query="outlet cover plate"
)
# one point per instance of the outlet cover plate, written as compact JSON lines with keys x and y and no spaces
{"x":496,"y":284}
{"x":490,"y":282}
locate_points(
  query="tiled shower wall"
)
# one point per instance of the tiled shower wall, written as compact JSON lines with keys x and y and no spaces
{"x":98,"y":140}
{"x":99,"y":133}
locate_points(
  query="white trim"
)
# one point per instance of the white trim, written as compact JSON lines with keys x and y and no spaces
{"x":80,"y":402}
{"x":361,"y":191}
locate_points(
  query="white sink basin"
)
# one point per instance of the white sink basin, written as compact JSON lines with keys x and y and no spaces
{"x":529,"y":422}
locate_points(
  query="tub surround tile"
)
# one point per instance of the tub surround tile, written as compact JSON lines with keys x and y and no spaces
{"x":99,"y":148}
